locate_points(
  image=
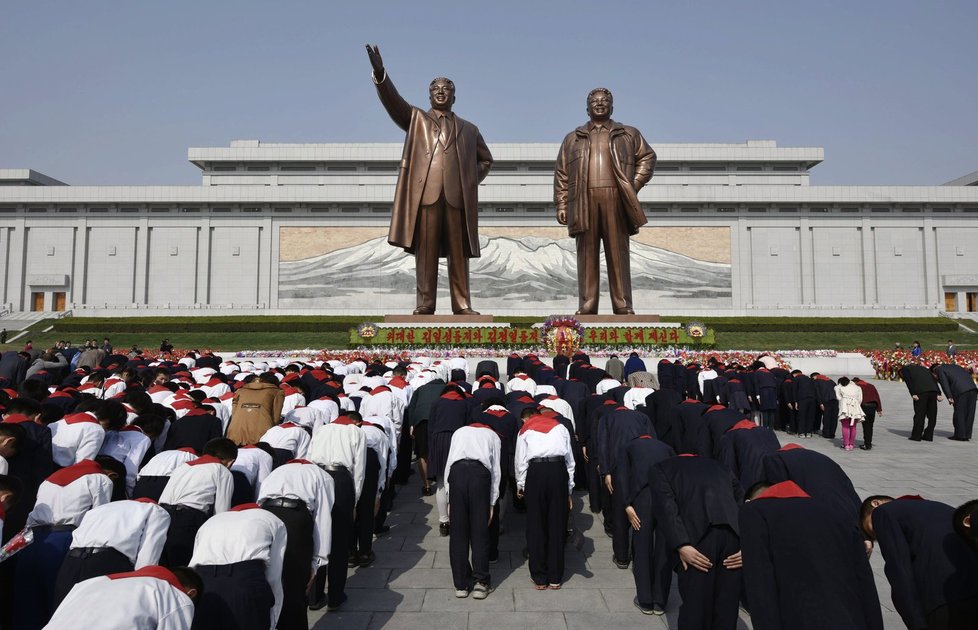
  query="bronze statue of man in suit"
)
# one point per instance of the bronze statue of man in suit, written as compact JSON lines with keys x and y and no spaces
{"x":600,"y":169}
{"x":436,"y":203}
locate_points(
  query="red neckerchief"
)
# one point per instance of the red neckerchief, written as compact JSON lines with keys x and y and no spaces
{"x":452,"y":395}
{"x":784,"y":490}
{"x":379,"y":390}
{"x":714,"y":408}
{"x":288,"y":425}
{"x":343,"y":420}
{"x":910,"y":497}
{"x":743,"y":424}
{"x":645,"y":437}
{"x":791,"y":447}
{"x":72,"y":473}
{"x":245,"y":506}
{"x":499,"y":413}
{"x":540,"y":424}
{"x":17,"y":418}
{"x":205,"y":459}
{"x":160,"y":573}
{"x":688,"y":455}
{"x":690,"y":400}
{"x":146,"y":500}
{"x":298,"y":461}
{"x":78,"y":418}
{"x":187,"y":449}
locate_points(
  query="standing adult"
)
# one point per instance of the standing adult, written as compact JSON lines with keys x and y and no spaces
{"x":435,"y":213}
{"x":872,"y":406}
{"x":925,"y":393}
{"x":850,"y":401}
{"x":960,"y":390}
{"x":600,"y":169}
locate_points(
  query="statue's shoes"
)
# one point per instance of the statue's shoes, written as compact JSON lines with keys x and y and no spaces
{"x":422,"y":310}
{"x":467,"y":311}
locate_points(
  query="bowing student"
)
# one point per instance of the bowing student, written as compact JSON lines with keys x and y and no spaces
{"x":76,"y":437}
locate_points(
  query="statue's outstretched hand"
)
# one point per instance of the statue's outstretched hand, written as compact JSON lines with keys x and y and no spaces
{"x":373,"y":52}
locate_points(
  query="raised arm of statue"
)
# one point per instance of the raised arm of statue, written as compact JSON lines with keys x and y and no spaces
{"x":397,"y":108}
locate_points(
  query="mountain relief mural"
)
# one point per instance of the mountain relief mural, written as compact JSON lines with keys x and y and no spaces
{"x":520,"y":270}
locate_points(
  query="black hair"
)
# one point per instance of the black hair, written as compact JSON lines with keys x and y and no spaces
{"x":15,"y":431}
{"x":33,"y":388}
{"x":13,"y":485}
{"x":352,"y":415}
{"x":113,"y":413}
{"x":151,"y":424}
{"x":24,"y":406}
{"x":51,"y":413}
{"x":844,"y":380}
{"x":112,"y":465}
{"x":190,"y":580}
{"x":969,"y":533}
{"x":138,"y":399}
{"x":221,"y":448}
{"x":269,"y":377}
{"x":866,"y":509}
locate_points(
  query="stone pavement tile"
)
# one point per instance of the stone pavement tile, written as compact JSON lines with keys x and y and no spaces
{"x":413,"y":530}
{"x":516,"y":621}
{"x":599,"y":578}
{"x":620,"y":599}
{"x":427,"y":543}
{"x":371,"y":577}
{"x":384,"y":600}
{"x":444,"y":600}
{"x":348,"y":620}
{"x":563,"y":600}
{"x":421,"y":578}
{"x":404,"y":560}
{"x":586,"y":620}
{"x":388,"y":543}
{"x":417,"y":621}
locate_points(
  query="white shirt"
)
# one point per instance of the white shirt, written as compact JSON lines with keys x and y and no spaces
{"x":290,"y":437}
{"x":113,"y":386}
{"x":67,"y":504}
{"x":200,"y":485}
{"x":163,"y":464}
{"x":392,"y":440}
{"x":329,"y":408}
{"x":136,"y":529}
{"x":242,"y":535}
{"x":341,"y":444}
{"x":605,"y":385}
{"x":312,"y":484}
{"x":704,"y":376}
{"x":3,"y":465}
{"x":532,"y":444}
{"x":129,"y":447}
{"x":254,"y":463}
{"x":459,"y":363}
{"x":522,"y":383}
{"x":129,"y":603}
{"x":293,"y":398}
{"x":75,"y":438}
{"x":635,"y":397}
{"x":384,"y":403}
{"x":478,"y":443}
{"x":310,"y":417}
{"x":561,"y":406}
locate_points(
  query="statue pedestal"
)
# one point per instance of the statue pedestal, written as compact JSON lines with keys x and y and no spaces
{"x":637,"y":319}
{"x":439,"y":319}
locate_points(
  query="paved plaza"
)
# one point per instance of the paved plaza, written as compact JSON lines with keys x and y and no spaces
{"x":410,"y":584}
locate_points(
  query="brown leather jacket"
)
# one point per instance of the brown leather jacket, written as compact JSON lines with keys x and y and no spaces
{"x":256,"y":408}
{"x":633,"y":161}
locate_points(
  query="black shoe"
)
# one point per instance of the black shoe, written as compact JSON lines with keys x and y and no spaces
{"x":424,"y":310}
{"x":645,"y":611}
{"x":493,"y":559}
{"x":621,"y":564}
{"x":427,"y":491}
{"x":337,"y":605}
{"x":319,"y":604}
{"x":913,"y":439}
{"x":382,"y":530}
{"x":928,"y":439}
{"x":366,"y":559}
{"x":866,"y":447}
{"x":353,"y":560}
{"x":956,"y":439}
{"x":443,"y":529}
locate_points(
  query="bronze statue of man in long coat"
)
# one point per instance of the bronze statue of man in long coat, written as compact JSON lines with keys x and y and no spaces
{"x":436,"y":202}
{"x":600,"y":169}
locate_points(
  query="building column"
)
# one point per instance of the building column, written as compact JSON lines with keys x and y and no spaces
{"x":18,"y":264}
{"x":204,"y":261}
{"x":140,"y":290}
{"x":79,"y":270}
{"x":932,"y":278}
{"x":806,"y":258}
{"x":4,"y":268}
{"x":268,"y":264}
{"x":740,"y":287}
{"x":870,"y":296}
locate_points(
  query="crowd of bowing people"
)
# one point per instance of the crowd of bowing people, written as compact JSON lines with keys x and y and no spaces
{"x":206,"y":493}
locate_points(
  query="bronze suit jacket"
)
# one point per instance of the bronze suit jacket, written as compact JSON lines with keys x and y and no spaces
{"x":422,"y":129}
{"x":632,"y":159}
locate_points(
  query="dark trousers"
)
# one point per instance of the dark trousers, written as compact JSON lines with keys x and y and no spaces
{"x":924,"y":407}
{"x":440,"y":226}
{"x":608,"y":226}
{"x":870,"y":411}
{"x":334,"y":576}
{"x":469,"y":493}
{"x":621,"y":528}
{"x":652,"y":568}
{"x":243,"y":492}
{"x":299,"y":526}
{"x":35,"y":576}
{"x":386,"y":503}
{"x":593,"y":480}
{"x":363,"y":541}
{"x":404,"y":449}
{"x":179,"y":545}
{"x":960,"y":615}
{"x":150,"y":487}
{"x":494,"y":524}
{"x":711,"y":599}
{"x":546,"y":520}
{"x":768,"y":418}
{"x":236,"y":597}
{"x":805,"y":415}
{"x":82,"y":564}
{"x":964,"y":414}
{"x":830,"y":418}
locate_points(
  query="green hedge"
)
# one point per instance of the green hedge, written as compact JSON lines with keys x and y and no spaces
{"x":342,"y":323}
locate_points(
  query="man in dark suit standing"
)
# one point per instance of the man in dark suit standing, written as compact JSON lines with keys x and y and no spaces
{"x":961,"y":393}
{"x":925,"y":393}
{"x":696,"y":503}
{"x":600,"y":169}
{"x":436,"y":203}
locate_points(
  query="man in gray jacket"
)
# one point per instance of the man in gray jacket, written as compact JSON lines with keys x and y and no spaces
{"x":961,"y":393}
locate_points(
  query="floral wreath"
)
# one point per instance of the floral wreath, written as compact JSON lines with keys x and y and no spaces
{"x":562,"y":334}
{"x":367,"y":330}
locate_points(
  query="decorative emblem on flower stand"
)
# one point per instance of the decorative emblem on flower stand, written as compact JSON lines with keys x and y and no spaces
{"x":563,"y":334}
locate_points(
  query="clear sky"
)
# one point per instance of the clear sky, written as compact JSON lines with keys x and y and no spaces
{"x":100,"y":92}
